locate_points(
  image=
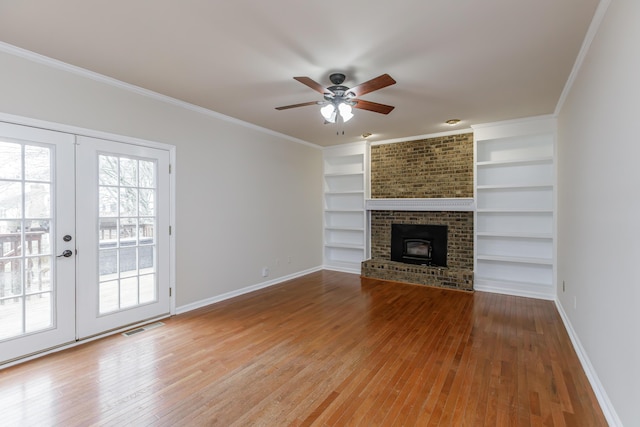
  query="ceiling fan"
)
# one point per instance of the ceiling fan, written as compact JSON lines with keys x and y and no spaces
{"x":339,"y":100}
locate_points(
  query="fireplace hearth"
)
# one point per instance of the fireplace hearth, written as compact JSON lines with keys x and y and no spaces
{"x":455,"y":269}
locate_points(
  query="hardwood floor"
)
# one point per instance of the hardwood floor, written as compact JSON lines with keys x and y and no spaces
{"x":327,"y":349}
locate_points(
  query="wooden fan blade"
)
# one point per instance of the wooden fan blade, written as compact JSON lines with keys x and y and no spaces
{"x":373,"y":106}
{"x":373,"y":84}
{"x":304,"y":104}
{"x":313,"y":84}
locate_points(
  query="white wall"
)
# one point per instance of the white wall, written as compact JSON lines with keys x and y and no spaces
{"x":240,"y":191}
{"x":599,"y":207}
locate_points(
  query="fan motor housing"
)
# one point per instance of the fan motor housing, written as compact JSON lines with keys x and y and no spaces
{"x":338,"y":91}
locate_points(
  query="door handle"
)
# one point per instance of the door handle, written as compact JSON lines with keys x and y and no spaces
{"x":67,"y":253}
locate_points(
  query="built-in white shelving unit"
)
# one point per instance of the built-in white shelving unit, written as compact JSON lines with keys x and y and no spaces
{"x":515,"y":208}
{"x":345,"y":222}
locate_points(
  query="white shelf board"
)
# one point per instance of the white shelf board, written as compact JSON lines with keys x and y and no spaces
{"x":533,"y":160}
{"x":355,"y":192}
{"x":515,"y":235}
{"x":517,"y":260}
{"x":514,"y":186}
{"x":516,"y":211}
{"x":344,"y":210}
{"x":344,"y":246}
{"x":343,"y":228}
{"x":332,"y":174}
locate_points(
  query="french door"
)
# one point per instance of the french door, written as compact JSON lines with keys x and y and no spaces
{"x":37,"y":208}
{"x":84,"y":237}
{"x":123,"y":234}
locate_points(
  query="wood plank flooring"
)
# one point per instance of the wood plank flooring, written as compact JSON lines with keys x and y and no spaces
{"x":327,"y":349}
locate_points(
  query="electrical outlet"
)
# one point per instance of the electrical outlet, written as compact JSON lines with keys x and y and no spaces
{"x":265,"y":271}
{"x":289,"y":259}
{"x":563,"y":288}
{"x":575,"y":302}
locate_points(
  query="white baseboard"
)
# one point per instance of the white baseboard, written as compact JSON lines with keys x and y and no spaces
{"x":228,"y":295}
{"x":603,"y":399}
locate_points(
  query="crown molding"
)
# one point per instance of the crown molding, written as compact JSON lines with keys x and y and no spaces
{"x":82,"y":72}
{"x":584,"y":50}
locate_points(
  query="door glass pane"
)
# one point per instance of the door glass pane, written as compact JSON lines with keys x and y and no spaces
{"x":26,"y":287}
{"x":129,"y":292}
{"x":128,"y":231}
{"x":38,"y":238}
{"x":128,"y":202}
{"x":147,"y":174}
{"x":10,"y":199}
{"x":38,"y":310}
{"x":109,"y":296}
{"x":146,"y":231}
{"x":10,"y":278}
{"x":108,"y":227}
{"x":108,"y":259}
{"x":146,"y":258}
{"x":9,"y":240}
{"x":37,"y":200}
{"x":127,"y":217}
{"x":11,"y":164}
{"x":11,"y":315}
{"x":147,"y":205}
{"x":128,"y":172}
{"x":147,"y":288}
{"x":38,"y":274}
{"x":108,"y":174}
{"x":128,"y":262}
{"x":37,"y":161}
{"x":108,"y":203}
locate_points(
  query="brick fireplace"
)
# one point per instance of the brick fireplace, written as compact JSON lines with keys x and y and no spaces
{"x":430,"y":182}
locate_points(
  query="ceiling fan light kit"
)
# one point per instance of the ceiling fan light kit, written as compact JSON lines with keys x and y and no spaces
{"x":331,"y":111}
{"x":340,"y":100}
{"x":345,"y":111}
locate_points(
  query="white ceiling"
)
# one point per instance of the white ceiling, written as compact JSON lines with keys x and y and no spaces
{"x":479,"y":61}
